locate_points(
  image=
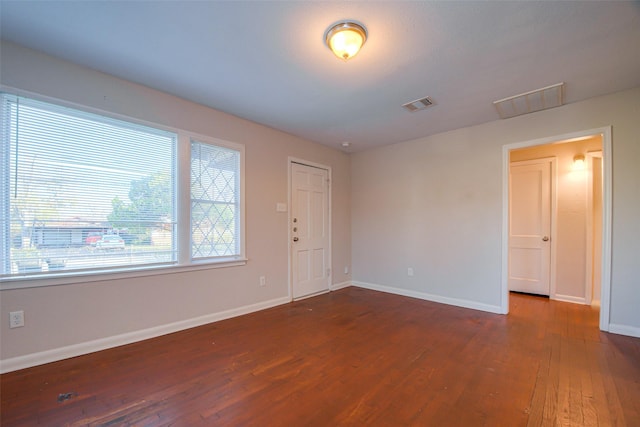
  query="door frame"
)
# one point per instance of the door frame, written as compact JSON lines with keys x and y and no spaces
{"x":553,"y":232}
{"x":290,"y":161}
{"x":590,"y":156}
{"x":605,"y":134}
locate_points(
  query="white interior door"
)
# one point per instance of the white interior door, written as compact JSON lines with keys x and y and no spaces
{"x":530,"y":185}
{"x":309,"y":230}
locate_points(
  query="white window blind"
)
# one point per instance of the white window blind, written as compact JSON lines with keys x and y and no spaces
{"x":215,"y":201}
{"x":82,"y":191}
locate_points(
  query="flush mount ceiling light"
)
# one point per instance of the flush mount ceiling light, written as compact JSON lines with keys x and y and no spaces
{"x":345,"y":39}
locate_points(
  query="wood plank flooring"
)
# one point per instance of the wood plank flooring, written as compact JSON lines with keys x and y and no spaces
{"x":350,"y":358}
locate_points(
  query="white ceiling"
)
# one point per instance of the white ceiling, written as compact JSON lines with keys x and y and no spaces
{"x":266,"y":61}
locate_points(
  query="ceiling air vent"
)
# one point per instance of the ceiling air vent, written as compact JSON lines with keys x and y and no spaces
{"x":528,"y":102}
{"x":418,"y":104}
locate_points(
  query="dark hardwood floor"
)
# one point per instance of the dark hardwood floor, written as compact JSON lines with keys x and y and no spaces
{"x":355,"y":358}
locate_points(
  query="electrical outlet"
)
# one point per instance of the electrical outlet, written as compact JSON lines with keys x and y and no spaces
{"x":16,"y":319}
{"x":410,"y":272}
{"x":346,"y":270}
{"x":263,"y":281}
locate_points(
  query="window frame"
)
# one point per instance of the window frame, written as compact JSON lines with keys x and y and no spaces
{"x":238,"y":203}
{"x":182,"y":182}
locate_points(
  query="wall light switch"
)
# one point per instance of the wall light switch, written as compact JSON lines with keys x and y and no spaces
{"x":410,"y":272}
{"x":281,"y":207}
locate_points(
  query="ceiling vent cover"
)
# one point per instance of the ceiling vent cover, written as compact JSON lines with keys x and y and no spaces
{"x":528,"y":102}
{"x":418,"y":104}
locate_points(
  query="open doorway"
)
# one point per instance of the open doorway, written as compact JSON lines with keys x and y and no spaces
{"x":566,"y":256}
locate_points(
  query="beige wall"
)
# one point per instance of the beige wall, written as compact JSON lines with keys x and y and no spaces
{"x":571,"y":226}
{"x":435,"y":204}
{"x":70,"y":315}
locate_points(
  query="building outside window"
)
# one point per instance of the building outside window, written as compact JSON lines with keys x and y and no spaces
{"x":82,"y":192}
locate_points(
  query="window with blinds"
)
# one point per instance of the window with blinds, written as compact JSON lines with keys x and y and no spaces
{"x":80,"y":191}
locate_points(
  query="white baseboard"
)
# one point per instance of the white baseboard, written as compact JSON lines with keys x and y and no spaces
{"x":631,"y":331}
{"x":569,"y":298}
{"x":40,"y":358}
{"x":430,"y":297}
{"x":315,"y":294}
{"x":336,"y":286}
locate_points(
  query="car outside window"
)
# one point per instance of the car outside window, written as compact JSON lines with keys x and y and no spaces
{"x":83,"y":192}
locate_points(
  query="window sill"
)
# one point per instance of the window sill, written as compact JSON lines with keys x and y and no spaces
{"x":86,"y":276}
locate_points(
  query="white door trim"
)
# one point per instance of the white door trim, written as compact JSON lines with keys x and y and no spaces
{"x":291,"y":160}
{"x":554,"y":217}
{"x":590,"y":236}
{"x":605,"y":133}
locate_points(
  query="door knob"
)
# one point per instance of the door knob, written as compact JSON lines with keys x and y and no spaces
{"x":295,"y":239}
{"x":545,"y":238}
